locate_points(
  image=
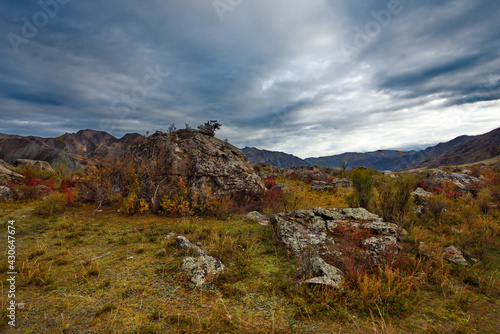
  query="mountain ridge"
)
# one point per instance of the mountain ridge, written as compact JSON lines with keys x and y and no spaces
{"x":275,"y":158}
{"x":460,"y":150}
{"x":74,"y":150}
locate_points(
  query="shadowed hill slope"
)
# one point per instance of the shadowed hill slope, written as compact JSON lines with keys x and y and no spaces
{"x":278,"y":159}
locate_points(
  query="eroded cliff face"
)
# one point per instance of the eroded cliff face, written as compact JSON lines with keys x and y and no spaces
{"x":205,"y":163}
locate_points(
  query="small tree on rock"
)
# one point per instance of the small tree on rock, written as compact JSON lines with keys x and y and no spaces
{"x":209,"y":128}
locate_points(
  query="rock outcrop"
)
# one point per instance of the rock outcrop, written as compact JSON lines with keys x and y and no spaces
{"x":420,"y":196}
{"x":463,"y":182}
{"x":335,"y":184}
{"x":7,"y":173}
{"x":321,"y":232}
{"x":309,"y":173}
{"x":206,"y":164}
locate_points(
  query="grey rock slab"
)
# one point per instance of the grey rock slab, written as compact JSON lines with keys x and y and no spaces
{"x":323,"y":273}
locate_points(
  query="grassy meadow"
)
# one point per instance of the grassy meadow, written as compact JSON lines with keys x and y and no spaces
{"x":82,"y":270}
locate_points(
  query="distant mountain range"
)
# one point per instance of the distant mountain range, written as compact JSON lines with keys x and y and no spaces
{"x":461,"y":150}
{"x":278,"y":159}
{"x":74,"y":150}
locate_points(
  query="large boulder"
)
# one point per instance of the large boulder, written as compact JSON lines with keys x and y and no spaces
{"x":205,"y":163}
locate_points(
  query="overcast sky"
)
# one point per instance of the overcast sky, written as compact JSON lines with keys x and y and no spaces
{"x":307,"y":77}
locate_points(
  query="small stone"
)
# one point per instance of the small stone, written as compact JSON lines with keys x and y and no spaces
{"x":452,"y":254}
{"x":170,"y":236}
{"x":455,"y":230}
{"x":257,"y":217}
{"x":5,"y":193}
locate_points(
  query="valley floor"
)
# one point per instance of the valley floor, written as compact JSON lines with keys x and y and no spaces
{"x":111,"y":273}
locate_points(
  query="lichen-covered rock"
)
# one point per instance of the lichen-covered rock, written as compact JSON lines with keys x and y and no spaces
{"x":200,"y":267}
{"x":299,"y":230}
{"x":381,"y":245}
{"x":321,"y":231}
{"x":322,"y":273}
{"x":452,"y":254}
{"x":328,"y":214}
{"x":303,"y":229}
{"x":184,"y":243}
{"x":360,"y":214}
{"x":205,"y":163}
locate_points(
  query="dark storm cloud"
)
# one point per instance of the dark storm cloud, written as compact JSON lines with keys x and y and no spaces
{"x":274,"y":73}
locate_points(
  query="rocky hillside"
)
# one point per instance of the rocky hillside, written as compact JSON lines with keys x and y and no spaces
{"x":277,"y":159}
{"x":75,"y":150}
{"x":381,"y":160}
{"x":14,"y":147}
{"x":462,"y":150}
{"x":71,"y":149}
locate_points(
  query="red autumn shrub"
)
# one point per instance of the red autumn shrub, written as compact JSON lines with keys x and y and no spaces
{"x":270,"y":182}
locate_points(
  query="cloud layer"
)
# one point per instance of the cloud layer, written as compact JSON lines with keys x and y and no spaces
{"x":310,"y":78}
